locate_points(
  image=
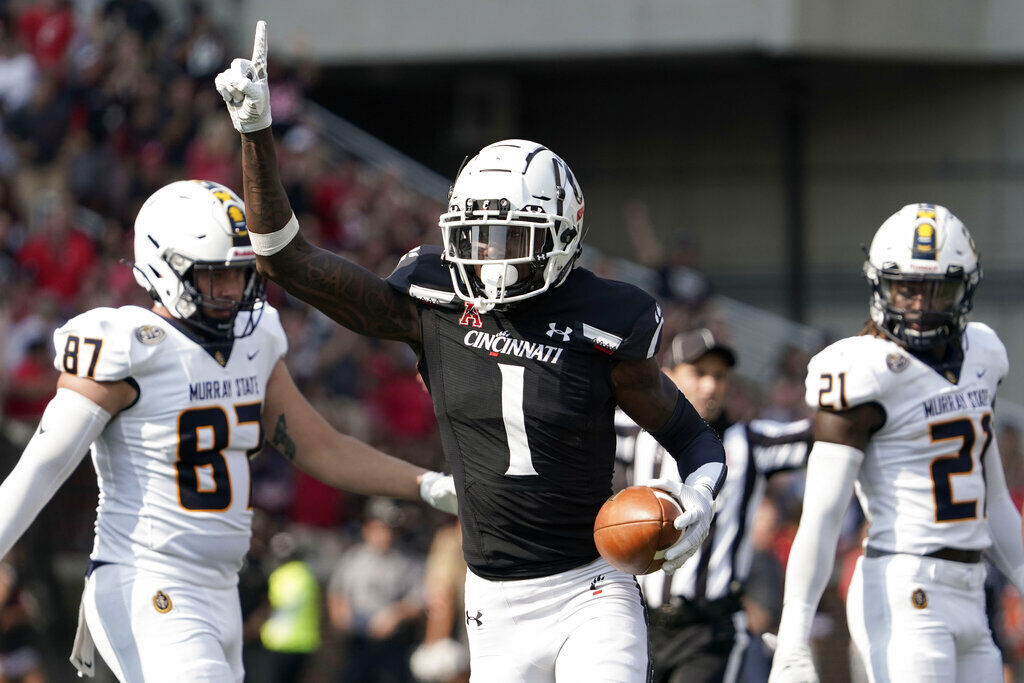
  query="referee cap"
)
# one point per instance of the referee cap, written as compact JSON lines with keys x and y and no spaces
{"x":688,"y":347}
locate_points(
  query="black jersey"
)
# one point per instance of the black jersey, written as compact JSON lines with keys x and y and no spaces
{"x":525,"y":402}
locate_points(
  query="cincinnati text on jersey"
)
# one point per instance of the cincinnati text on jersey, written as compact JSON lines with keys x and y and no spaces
{"x":226,"y":388}
{"x":504,"y":344}
{"x":946,"y":403}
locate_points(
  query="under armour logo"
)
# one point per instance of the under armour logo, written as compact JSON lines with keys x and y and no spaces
{"x":554,"y":330}
{"x":598,"y":580}
{"x":477,"y":619}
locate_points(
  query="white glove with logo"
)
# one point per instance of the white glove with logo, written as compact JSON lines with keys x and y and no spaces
{"x":438,"y":491}
{"x":793,"y":664}
{"x":245,"y":89}
{"x":695,"y":522}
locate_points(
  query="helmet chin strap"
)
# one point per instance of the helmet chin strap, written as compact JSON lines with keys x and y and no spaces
{"x":497,"y":277}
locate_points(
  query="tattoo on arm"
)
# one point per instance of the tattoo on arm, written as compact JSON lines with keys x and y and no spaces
{"x":348,"y":293}
{"x":645,"y":393}
{"x":281,"y":441}
{"x":266,"y":203}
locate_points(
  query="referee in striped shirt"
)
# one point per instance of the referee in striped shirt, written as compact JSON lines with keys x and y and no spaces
{"x":698,"y":626}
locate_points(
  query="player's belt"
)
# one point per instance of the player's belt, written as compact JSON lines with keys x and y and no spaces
{"x":951,"y":554}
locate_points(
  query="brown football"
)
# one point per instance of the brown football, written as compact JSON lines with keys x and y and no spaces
{"x":634,"y":526}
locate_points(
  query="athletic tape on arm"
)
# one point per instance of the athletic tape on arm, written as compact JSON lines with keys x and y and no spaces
{"x":272,"y":242}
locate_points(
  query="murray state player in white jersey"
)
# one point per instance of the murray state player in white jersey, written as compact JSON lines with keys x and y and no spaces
{"x":174,"y":400}
{"x":904,"y":417}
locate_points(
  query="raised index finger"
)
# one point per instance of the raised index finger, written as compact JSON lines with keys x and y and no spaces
{"x":259,"y":48}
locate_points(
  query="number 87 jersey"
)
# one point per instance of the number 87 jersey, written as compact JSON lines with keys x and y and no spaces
{"x":922,"y":481}
{"x":173,"y":467}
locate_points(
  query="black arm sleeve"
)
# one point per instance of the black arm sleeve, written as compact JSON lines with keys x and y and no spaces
{"x":689,"y":439}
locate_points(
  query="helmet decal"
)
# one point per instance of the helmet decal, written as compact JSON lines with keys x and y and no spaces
{"x":924,"y":246}
{"x":234,"y":210}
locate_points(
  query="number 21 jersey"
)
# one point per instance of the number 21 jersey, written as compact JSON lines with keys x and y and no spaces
{"x":922,"y":481}
{"x":173,"y":467}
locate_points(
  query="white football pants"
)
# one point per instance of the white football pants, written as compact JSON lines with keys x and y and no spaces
{"x":921,"y":619}
{"x":152,"y":629}
{"x":587,"y":624}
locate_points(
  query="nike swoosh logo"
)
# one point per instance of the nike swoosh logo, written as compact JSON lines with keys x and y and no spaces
{"x":982,"y":372}
{"x":41,"y":430}
{"x":252,"y":355}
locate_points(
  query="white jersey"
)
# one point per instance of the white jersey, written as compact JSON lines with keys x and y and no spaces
{"x":922,"y":481}
{"x":173,"y":468}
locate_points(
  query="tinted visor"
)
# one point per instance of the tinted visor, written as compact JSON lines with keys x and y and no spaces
{"x":493,"y":242}
{"x":937,"y":296}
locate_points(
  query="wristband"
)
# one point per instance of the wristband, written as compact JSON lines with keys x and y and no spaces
{"x":270,"y":243}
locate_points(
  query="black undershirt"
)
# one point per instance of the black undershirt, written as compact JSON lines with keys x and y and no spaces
{"x":218,"y":347}
{"x":950,"y":364}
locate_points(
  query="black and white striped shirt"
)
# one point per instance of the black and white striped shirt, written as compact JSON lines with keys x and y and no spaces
{"x":754,"y":451}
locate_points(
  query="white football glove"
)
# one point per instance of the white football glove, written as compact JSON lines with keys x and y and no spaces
{"x":244,"y":87}
{"x":439,"y":660}
{"x":438,"y":491}
{"x":695,"y":522}
{"x":793,"y":664}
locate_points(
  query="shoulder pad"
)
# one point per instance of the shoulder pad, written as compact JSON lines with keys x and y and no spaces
{"x":983,"y":340}
{"x":99,"y":344}
{"x":630,"y":329}
{"x":422,"y":276}
{"x":270,"y":328}
{"x":853,"y":371}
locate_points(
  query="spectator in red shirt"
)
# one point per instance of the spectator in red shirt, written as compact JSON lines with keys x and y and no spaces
{"x":46,"y":27}
{"x":212,"y":154}
{"x":31,"y":384}
{"x":59,"y":256}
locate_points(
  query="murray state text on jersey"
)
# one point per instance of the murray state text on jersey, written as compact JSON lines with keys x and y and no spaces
{"x":922,"y":480}
{"x":962,"y":400}
{"x":225,"y":388}
{"x":173,"y":468}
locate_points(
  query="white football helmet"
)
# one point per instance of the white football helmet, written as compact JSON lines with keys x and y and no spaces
{"x":185,"y":231}
{"x":514,"y":225}
{"x":923,"y":269}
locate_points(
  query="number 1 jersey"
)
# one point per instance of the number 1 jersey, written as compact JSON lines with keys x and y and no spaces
{"x":922,"y":481}
{"x":525,"y":402}
{"x":173,"y":467}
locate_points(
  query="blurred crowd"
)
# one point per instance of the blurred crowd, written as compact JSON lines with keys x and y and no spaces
{"x":99,"y":108}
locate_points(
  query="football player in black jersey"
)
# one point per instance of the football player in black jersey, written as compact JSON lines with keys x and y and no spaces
{"x":525,"y":356}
